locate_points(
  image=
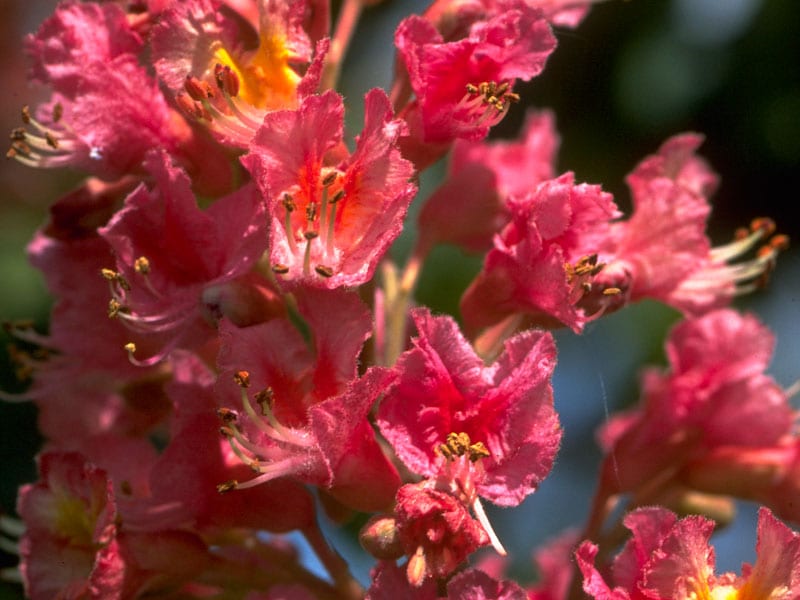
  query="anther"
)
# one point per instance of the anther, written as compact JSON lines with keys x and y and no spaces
{"x":227,"y":486}
{"x":242,"y":379}
{"x":227,"y":80}
{"x":227,"y":415}
{"x":265,"y":399}
{"x":26,"y":115}
{"x":329,"y":179}
{"x":18,"y":134}
{"x":199,"y":90}
{"x":336,"y":197}
{"x":763,"y":224}
{"x":311,"y":211}
{"x":58,"y":112}
{"x":280,"y":269}
{"x":324,"y":271}
{"x":288,"y":202}
{"x":114,"y":308}
{"x":611,"y":291}
{"x":51,"y":140}
{"x":142,"y":265}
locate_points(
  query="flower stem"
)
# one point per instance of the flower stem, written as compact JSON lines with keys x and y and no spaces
{"x":345,"y":27}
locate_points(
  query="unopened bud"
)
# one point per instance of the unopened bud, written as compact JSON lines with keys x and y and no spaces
{"x":379,"y":537}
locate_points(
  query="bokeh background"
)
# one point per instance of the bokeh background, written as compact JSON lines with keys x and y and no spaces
{"x":634,"y":73}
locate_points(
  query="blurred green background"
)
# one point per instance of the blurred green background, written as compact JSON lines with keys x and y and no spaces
{"x":631,"y":75}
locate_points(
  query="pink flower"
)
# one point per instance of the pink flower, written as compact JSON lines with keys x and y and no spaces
{"x":77,"y":34}
{"x":715,"y":397}
{"x":470,"y":206}
{"x":465,"y":86}
{"x":569,"y":263}
{"x":176,"y":263}
{"x":331,"y":218}
{"x":668,"y":558}
{"x":301,"y":411}
{"x":69,"y":544}
{"x":199,"y":48}
{"x":470,"y":430}
{"x":443,"y":387}
{"x":544,"y":257}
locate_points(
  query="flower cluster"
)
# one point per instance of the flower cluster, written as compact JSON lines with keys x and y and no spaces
{"x":234,"y":355}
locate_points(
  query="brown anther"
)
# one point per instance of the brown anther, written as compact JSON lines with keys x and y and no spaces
{"x":199,"y":90}
{"x":26,"y":114}
{"x":329,"y":179}
{"x":511,"y":96}
{"x":280,"y":269}
{"x":227,"y":80}
{"x":191,"y":107}
{"x":310,"y":235}
{"x":611,"y":291}
{"x":226,"y":432}
{"x":18,"y":134}
{"x":142,"y":265}
{"x":324,"y":271}
{"x":265,"y":399}
{"x":311,"y":211}
{"x":242,"y":379}
{"x":586,"y":287}
{"x":227,"y":415}
{"x":288,"y":202}
{"x":336,"y":197}
{"x":763,"y":224}
{"x":227,"y":486}
{"x":779,"y":242}
{"x":51,"y":140}
{"x":58,"y":112}
{"x":19,"y":148}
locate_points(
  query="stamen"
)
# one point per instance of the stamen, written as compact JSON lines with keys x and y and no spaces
{"x":227,"y":80}
{"x":289,"y":206}
{"x":280,"y":269}
{"x":481,"y":517}
{"x":323,"y":271}
{"x":332,"y":221}
{"x":309,"y":235}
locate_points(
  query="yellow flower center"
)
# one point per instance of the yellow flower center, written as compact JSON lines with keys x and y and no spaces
{"x":266,"y":80}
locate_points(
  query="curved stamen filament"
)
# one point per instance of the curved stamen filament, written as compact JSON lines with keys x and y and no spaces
{"x":272,"y":428}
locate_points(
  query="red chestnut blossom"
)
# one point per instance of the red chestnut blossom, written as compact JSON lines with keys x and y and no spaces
{"x":443,"y":387}
{"x":331,"y":219}
{"x":464,"y":87}
{"x":174,"y":261}
{"x":544,"y":257}
{"x":715,"y":397}
{"x":310,"y":422}
{"x":668,"y":558}
{"x":68,"y":549}
{"x":547,"y":267}
{"x":469,"y":207}
{"x":471,"y":430}
{"x":230,"y":83}
{"x":77,"y":34}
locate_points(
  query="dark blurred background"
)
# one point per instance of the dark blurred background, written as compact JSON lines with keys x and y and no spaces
{"x":630,"y":76}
